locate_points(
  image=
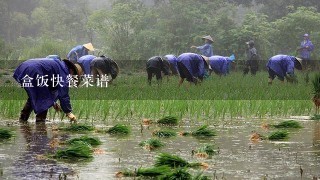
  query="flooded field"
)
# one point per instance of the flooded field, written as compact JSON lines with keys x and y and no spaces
{"x":237,"y":156}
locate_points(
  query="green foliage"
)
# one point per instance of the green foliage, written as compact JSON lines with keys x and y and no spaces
{"x":89,"y":140}
{"x":164,"y":133}
{"x":316,"y":85}
{"x":119,"y":129}
{"x":315,"y":117}
{"x":168,"y":120}
{"x":153,"y":171}
{"x":203,"y":131}
{"x":78,"y":128}
{"x":288,"y":124}
{"x":278,"y":135}
{"x":5,"y":134}
{"x":76,"y":151}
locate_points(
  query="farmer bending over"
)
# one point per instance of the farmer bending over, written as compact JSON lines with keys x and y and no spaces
{"x":79,"y":51}
{"x":220,"y":64}
{"x":104,"y":66}
{"x":154,"y":66}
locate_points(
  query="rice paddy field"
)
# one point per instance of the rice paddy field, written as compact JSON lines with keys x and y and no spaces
{"x":240,"y":110}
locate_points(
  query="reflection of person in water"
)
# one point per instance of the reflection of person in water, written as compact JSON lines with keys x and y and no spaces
{"x":32,"y":164}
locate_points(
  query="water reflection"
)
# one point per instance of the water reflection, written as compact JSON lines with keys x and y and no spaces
{"x":32,"y":164}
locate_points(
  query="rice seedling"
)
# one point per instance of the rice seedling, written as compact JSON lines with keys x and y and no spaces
{"x":145,"y":172}
{"x":76,"y":151}
{"x":204,"y":131}
{"x":180,"y":173}
{"x":77,"y":128}
{"x":288,"y":124}
{"x":151,"y":144}
{"x":164,"y":133}
{"x":315,"y":117}
{"x":173,"y":161}
{"x":5,"y":134}
{"x":168,"y":120}
{"x":119,"y":129}
{"x":278,"y":135}
{"x":205,"y":151}
{"x":90,"y":140}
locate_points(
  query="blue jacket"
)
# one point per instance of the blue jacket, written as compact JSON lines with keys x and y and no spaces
{"x":193,"y":62}
{"x":305,"y":52}
{"x":77,"y":52}
{"x":85,"y":62}
{"x":281,"y":64}
{"x":206,"y":50}
{"x":42,"y":98}
{"x":219,"y":64}
{"x":172,"y":60}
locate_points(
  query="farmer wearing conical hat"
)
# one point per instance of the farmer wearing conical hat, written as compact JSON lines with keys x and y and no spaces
{"x":283,"y":67}
{"x":206,"y":49}
{"x":220,"y":64}
{"x":305,"y":49}
{"x":192,"y":67}
{"x":79,"y":51}
{"x":252,"y":63}
{"x":103,"y":65}
{"x":45,"y":81}
{"x":155,"y":65}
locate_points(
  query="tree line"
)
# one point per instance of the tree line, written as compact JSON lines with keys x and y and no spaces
{"x":132,"y":30}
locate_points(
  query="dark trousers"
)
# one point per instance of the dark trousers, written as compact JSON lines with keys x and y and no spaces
{"x":26,"y":111}
{"x":252,"y":66}
{"x":153,"y":71}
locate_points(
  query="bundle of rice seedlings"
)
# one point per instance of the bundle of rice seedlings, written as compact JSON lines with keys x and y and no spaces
{"x":200,"y":176}
{"x":279,"y":135}
{"x":168,"y":120}
{"x":78,"y":128}
{"x":288,"y":124}
{"x":164,"y":133}
{"x":315,"y":117}
{"x":90,"y":140}
{"x":173,"y":161}
{"x":5,"y":134}
{"x":151,"y":144}
{"x":119,"y":129}
{"x":77,"y":151}
{"x":203,"y":131}
{"x":205,"y":151}
{"x":145,"y":172}
{"x":180,"y":173}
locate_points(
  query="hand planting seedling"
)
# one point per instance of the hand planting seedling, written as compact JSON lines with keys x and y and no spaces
{"x":119,"y":129}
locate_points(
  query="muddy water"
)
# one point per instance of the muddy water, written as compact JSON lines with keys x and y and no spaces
{"x":238,"y":158}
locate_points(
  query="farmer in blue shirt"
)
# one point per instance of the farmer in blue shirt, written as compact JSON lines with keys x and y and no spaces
{"x":283,"y":67}
{"x":172,"y":59}
{"x":155,"y":65}
{"x":79,"y":51}
{"x":206,"y":49}
{"x":45,"y":81}
{"x":192,"y":67}
{"x":220,"y":64}
{"x":306,"y":47}
{"x":85,"y":61}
